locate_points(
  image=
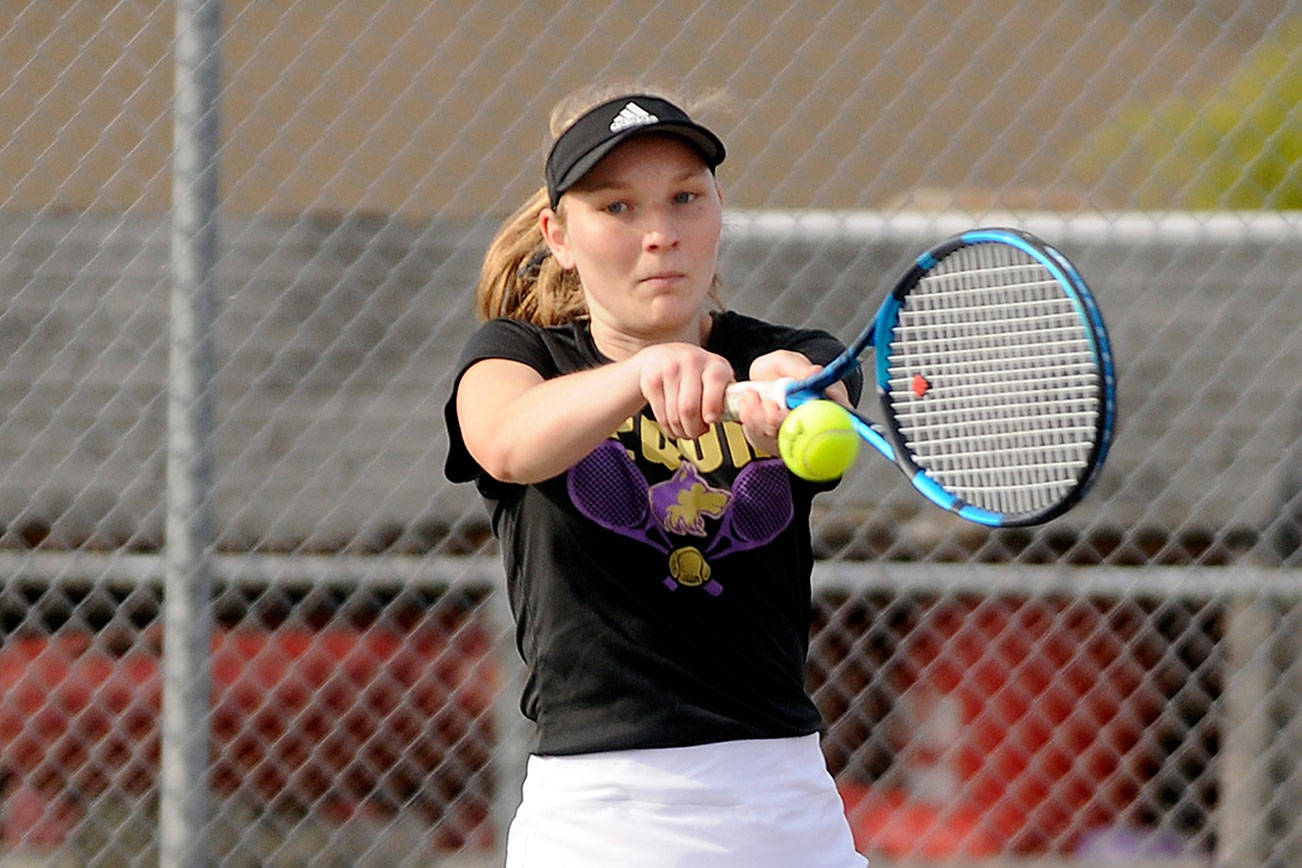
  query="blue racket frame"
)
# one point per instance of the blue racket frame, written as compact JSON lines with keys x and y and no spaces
{"x":888,"y":440}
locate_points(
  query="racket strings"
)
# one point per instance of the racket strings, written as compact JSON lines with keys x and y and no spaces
{"x":995,"y":381}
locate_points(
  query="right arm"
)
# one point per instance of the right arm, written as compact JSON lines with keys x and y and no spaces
{"x":522,"y":428}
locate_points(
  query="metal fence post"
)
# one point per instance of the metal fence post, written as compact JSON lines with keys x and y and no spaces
{"x":183,"y":801}
{"x":1244,"y":776}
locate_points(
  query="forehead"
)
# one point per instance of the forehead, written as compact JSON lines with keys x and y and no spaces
{"x":649,"y":155}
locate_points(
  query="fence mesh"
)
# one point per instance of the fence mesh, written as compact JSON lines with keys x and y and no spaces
{"x":1120,"y":685}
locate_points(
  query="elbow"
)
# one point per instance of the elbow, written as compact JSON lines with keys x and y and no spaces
{"x":498,"y":463}
{"x":503,"y":464}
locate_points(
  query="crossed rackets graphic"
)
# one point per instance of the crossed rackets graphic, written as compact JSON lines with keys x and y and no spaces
{"x":609,"y":489}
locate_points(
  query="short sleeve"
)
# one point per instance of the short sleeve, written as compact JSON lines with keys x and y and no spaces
{"x":496,"y":339}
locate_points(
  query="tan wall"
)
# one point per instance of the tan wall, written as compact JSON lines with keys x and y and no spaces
{"x":426,"y":106}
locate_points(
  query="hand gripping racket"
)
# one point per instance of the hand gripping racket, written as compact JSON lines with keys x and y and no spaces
{"x":995,"y":378}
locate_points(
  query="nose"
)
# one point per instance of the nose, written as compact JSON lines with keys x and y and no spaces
{"x":660,"y":231}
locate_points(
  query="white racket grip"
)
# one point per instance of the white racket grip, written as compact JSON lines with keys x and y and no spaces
{"x":773,"y":390}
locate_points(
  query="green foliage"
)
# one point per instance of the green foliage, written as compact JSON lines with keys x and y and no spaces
{"x":1239,"y":149}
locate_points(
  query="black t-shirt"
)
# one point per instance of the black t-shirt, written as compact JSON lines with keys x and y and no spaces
{"x":660,"y":588}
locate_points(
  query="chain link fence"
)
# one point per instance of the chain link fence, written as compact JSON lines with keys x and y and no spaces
{"x":1117,"y":687}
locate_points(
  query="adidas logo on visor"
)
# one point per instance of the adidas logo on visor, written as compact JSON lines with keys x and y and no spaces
{"x":632,"y":115}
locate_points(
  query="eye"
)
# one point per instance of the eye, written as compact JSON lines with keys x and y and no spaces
{"x":686,"y":196}
{"x":616,"y":208}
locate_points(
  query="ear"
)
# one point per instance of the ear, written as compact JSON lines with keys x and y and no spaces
{"x":553,"y":232}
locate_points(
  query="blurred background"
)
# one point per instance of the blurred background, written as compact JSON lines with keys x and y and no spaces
{"x":1120,"y":686}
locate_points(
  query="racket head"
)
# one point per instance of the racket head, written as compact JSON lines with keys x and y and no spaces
{"x":995,"y":375}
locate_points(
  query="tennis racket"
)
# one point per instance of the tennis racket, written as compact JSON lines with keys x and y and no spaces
{"x":995,"y":379}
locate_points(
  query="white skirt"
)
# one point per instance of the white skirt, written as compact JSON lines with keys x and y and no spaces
{"x":765,"y":803}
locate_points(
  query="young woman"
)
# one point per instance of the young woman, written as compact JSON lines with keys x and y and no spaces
{"x":658,"y":557}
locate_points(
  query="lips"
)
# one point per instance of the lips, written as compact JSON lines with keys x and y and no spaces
{"x":663,"y":277}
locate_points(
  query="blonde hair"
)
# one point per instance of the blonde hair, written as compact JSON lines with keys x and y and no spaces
{"x":519,"y":278}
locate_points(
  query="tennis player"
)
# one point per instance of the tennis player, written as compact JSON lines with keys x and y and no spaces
{"x":657,"y":557}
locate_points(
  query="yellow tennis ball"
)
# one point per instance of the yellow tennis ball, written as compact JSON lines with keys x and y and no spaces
{"x":817,"y":441}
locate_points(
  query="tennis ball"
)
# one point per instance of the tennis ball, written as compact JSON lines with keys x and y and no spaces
{"x":817,"y":441}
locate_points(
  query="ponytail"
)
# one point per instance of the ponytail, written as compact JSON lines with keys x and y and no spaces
{"x":520,"y":279}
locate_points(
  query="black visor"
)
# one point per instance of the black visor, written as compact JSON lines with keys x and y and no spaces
{"x":597,"y":133}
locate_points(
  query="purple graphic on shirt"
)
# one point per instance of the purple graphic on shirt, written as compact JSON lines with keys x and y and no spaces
{"x":682,"y":503}
{"x":609,"y":489}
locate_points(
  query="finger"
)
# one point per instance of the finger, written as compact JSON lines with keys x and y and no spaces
{"x":757,"y":419}
{"x":760,"y":416}
{"x":656,"y":392}
{"x":688,"y":404}
{"x":714,"y":383}
{"x":839,"y":393}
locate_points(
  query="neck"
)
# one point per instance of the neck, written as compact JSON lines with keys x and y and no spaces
{"x":618,"y":345}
